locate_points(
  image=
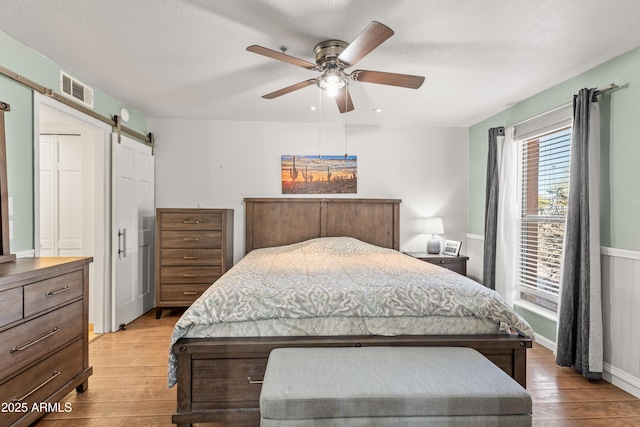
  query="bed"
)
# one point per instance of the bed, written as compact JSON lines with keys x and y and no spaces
{"x":302,"y":283}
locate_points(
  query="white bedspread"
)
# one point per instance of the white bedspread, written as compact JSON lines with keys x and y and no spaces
{"x":342,"y":286}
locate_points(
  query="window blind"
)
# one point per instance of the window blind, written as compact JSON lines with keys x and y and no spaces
{"x":545,"y":185}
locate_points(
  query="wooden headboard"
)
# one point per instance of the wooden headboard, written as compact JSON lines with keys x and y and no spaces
{"x":282,"y":221}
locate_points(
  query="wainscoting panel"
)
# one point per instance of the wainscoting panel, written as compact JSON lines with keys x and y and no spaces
{"x":621,"y":317}
{"x":621,"y":310}
{"x":475,"y":252}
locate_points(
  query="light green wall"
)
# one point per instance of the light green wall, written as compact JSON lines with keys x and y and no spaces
{"x":19,"y":141}
{"x":22,"y":60}
{"x":542,"y":325}
{"x":620,"y":147}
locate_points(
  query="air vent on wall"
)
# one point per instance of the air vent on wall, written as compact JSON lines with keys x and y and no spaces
{"x":76,"y":90}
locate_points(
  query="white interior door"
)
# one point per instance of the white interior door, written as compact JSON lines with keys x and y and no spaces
{"x":61,"y":195}
{"x":133,"y":230}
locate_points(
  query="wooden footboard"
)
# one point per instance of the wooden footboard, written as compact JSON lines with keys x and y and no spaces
{"x":219,"y":379}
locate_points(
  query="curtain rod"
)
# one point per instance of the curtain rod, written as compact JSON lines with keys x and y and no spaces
{"x":607,"y":88}
{"x":599,"y":91}
{"x":115,"y":122}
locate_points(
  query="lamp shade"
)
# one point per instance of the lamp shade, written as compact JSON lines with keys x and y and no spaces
{"x":432,"y":226}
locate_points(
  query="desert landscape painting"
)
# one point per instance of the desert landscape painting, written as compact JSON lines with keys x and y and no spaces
{"x":319,"y":174}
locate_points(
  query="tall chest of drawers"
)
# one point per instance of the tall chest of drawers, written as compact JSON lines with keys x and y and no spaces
{"x":194,"y":247}
{"x":44,"y":343}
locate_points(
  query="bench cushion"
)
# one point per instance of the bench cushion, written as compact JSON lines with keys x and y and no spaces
{"x":352,"y":382}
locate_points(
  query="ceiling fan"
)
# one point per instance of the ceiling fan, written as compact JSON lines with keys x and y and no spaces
{"x":333,"y":57}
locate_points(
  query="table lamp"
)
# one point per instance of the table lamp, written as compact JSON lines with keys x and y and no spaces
{"x":433,"y":226}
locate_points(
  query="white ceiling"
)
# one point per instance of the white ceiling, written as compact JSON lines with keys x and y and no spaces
{"x":187,"y":58}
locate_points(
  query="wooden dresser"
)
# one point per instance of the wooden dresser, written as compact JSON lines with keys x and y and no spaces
{"x":44,"y":342}
{"x":194,"y":247}
{"x":453,"y":263}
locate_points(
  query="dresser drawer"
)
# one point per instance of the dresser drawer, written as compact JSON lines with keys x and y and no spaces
{"x":181,"y":293}
{"x":10,"y":306}
{"x":177,"y":275}
{"x":191,"y":239}
{"x":39,"y":382}
{"x":52,"y":292}
{"x":27,"y":342}
{"x":191,"y":221}
{"x":179,"y":257}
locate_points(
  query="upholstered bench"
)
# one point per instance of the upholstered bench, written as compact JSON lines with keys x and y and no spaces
{"x":389,"y":386}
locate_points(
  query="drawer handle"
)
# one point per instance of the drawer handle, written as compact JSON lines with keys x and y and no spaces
{"x":55,"y":374}
{"x":59,"y":291}
{"x":192,"y":221}
{"x":190,"y":293}
{"x":26,"y":346}
{"x":190,"y":276}
{"x":250,"y":381}
{"x":191,"y":257}
{"x":190,"y":239}
{"x":443,"y":262}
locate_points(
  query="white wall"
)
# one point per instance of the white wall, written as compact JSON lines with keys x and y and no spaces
{"x":216,"y":164}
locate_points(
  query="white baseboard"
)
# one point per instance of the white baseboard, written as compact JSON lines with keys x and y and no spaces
{"x":621,"y":379}
{"x":610,"y":374}
{"x":26,"y":254}
{"x":546,"y":343}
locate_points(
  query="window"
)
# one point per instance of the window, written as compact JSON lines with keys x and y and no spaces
{"x":544,"y":195}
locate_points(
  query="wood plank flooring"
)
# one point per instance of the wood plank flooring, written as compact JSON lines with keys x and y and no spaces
{"x":129,"y":386}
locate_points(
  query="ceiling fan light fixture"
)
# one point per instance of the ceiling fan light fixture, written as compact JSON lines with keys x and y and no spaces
{"x":332,"y":83}
{"x":332,"y":80}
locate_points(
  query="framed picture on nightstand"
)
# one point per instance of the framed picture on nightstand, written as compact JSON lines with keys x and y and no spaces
{"x":451,"y":247}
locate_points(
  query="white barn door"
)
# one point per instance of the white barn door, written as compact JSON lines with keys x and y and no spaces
{"x":133,"y":229}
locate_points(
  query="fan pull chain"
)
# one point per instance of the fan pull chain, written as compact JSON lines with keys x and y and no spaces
{"x":346,"y":105}
{"x":320,"y":124}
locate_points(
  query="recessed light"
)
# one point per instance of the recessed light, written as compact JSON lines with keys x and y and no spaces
{"x":377,"y":110}
{"x":312,"y":108}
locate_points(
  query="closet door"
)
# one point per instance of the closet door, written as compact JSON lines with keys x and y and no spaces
{"x":61,"y":195}
{"x":133,"y":230}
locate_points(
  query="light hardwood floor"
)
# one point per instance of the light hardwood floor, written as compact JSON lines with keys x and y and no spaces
{"x":129,"y":388}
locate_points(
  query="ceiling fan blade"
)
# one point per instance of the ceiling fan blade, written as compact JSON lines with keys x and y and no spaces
{"x":391,"y":79}
{"x":372,"y":37}
{"x":289,"y":89}
{"x":274,"y":54}
{"x":343,"y":99}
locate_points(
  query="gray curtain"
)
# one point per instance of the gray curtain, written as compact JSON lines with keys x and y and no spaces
{"x":578,"y":343}
{"x":491,"y":210}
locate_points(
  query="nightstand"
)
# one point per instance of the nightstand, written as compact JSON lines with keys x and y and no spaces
{"x":453,"y":263}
